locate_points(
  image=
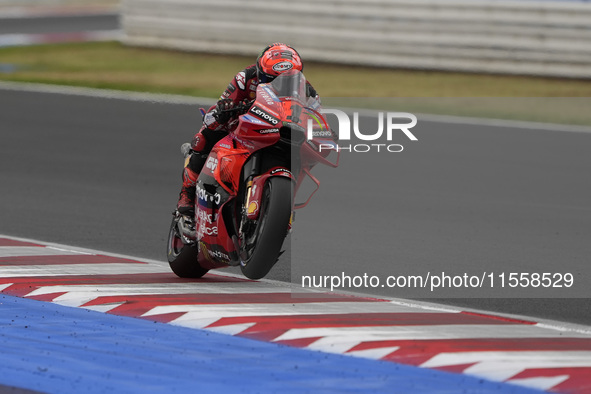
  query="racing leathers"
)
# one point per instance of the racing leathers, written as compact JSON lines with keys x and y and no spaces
{"x":242,"y":88}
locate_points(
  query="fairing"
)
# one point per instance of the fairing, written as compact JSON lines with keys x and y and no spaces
{"x":280,"y":116}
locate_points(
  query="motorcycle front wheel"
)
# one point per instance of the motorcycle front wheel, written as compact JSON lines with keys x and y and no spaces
{"x":263,"y":238}
{"x":181,"y":257}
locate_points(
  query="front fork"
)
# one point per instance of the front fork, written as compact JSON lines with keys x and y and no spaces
{"x":186,"y":228}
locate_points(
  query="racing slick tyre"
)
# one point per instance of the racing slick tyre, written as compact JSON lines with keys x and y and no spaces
{"x":181,"y":257}
{"x":262,"y":239}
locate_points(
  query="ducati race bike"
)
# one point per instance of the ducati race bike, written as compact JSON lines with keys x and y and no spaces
{"x":246,"y":190}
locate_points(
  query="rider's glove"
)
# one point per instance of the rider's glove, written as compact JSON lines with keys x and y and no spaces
{"x":210,"y":118}
{"x":223,"y":110}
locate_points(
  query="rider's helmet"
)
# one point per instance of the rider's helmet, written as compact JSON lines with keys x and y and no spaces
{"x":276,"y":59}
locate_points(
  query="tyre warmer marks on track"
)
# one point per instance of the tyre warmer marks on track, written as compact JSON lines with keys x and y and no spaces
{"x":495,"y":348}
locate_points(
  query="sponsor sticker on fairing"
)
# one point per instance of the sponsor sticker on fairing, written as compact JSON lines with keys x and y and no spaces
{"x":212,"y":163}
{"x":253,"y":119}
{"x":268,"y":96}
{"x":283,"y":171}
{"x":268,"y":131}
{"x":259,"y":113}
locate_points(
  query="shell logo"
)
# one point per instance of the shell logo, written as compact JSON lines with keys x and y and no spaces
{"x":252,"y":207}
{"x":283,"y":66}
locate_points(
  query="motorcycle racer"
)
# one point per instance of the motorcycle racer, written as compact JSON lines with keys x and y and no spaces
{"x":272,"y":61}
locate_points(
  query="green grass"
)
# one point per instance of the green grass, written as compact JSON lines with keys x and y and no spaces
{"x":115,"y":66}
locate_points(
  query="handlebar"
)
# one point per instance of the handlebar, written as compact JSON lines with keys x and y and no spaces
{"x":242,"y":107}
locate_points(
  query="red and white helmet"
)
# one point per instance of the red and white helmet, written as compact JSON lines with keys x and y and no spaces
{"x":276,"y":59}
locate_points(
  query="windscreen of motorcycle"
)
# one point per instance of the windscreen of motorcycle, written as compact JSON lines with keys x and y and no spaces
{"x":290,"y":84}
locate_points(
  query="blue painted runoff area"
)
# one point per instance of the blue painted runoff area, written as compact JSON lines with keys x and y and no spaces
{"x":57,"y":349}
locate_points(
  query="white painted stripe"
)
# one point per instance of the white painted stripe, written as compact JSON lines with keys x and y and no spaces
{"x":565,"y":329}
{"x":374,"y":354}
{"x":513,"y":124}
{"x":343,"y":339}
{"x":17,"y":251}
{"x":4,"y":286}
{"x":500,"y":366}
{"x":337,"y":347}
{"x":426,"y":307}
{"x":106,"y":93}
{"x":233,"y":329}
{"x":103,"y":308}
{"x":85,"y":250}
{"x":447,"y":331}
{"x":80,"y":269}
{"x":68,"y":250}
{"x":312,"y":308}
{"x":200,"y":316}
{"x":541,"y":383}
{"x":76,"y":298}
{"x":465,"y":120}
{"x":163,"y":289}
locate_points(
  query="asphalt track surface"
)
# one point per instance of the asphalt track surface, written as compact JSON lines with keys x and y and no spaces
{"x":105,"y":173}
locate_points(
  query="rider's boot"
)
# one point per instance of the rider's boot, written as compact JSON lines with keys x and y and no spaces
{"x":186,"y":203}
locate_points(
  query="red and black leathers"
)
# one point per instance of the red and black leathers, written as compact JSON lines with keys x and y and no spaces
{"x":242,"y":88}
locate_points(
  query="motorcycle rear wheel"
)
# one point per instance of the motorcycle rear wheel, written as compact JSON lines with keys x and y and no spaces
{"x":181,"y":257}
{"x":270,"y":230}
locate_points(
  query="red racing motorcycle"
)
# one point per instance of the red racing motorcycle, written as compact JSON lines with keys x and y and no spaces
{"x":245,"y":194}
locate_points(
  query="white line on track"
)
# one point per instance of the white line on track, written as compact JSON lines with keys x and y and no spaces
{"x":332,"y":335}
{"x":541,"y":383}
{"x":105,"y":93}
{"x":310,"y":308}
{"x":501,"y":366}
{"x":79,"y":269}
{"x":10,"y":251}
{"x":77,"y":296}
{"x":155,"y":288}
{"x":188,"y":100}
